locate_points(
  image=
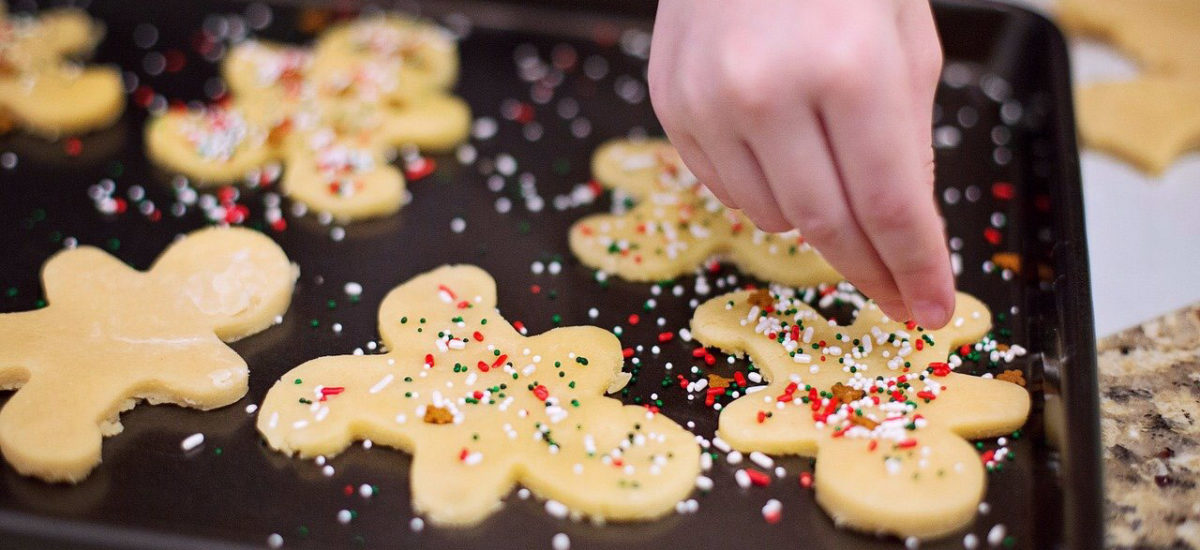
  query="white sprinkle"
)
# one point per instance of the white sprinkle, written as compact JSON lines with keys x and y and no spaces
{"x":984,"y":508}
{"x":458,"y":225}
{"x":912,"y":543}
{"x":366,"y":491}
{"x":352,"y":289}
{"x":380,"y":385}
{"x":721,"y":444}
{"x":251,"y":408}
{"x":734,"y":457}
{"x":556,"y":509}
{"x":417,"y":524}
{"x":996,"y":534}
{"x":275,"y":541}
{"x":763,"y":461}
{"x":970,"y":542}
{"x":327,"y":471}
{"x":343,"y":516}
{"x":192,"y":441}
{"x":704,"y":483}
{"x":561,"y":542}
{"x":742,"y":478}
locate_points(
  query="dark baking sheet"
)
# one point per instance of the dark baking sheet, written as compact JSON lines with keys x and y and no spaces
{"x":1006,"y":69}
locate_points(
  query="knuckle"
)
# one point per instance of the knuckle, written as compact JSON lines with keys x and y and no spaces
{"x":819,"y":228}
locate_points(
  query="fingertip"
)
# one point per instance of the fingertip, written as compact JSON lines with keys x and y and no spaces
{"x":932,"y":314}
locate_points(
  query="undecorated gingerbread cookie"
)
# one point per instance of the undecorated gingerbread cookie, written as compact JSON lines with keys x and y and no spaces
{"x":43,"y":92}
{"x":112,"y":336}
{"x":876,"y":402}
{"x":1151,"y":120}
{"x":677,"y":224}
{"x":482,"y":407}
{"x":330,"y":113}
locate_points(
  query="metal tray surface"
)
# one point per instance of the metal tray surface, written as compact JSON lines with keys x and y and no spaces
{"x":1007,"y":179}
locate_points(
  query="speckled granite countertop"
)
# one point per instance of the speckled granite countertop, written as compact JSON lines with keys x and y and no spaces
{"x":1150,"y":422}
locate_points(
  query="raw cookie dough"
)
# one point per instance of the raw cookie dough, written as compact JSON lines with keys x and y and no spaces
{"x":111,"y":336}
{"x":482,"y":408}
{"x":677,"y":224}
{"x":1152,"y":120}
{"x":40,"y":90}
{"x":873,"y":472}
{"x":330,"y":113}
{"x":1149,"y":122}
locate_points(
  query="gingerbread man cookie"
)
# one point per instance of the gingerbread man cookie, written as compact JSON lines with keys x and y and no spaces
{"x":330,"y":113}
{"x":40,"y":90}
{"x":112,"y":336}
{"x":876,"y":402}
{"x":482,"y":407}
{"x":677,"y":224}
{"x":1151,"y":120}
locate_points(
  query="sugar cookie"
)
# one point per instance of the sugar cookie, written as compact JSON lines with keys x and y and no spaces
{"x":875,"y":402}
{"x":330,"y":113}
{"x":677,"y":224}
{"x":483,"y":408}
{"x":111,"y":336}
{"x":1151,"y":120}
{"x":40,"y":90}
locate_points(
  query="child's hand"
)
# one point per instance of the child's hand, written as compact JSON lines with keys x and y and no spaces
{"x":815,"y":114}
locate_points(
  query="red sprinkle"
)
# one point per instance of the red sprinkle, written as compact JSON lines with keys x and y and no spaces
{"x":73,"y":146}
{"x":627,"y":353}
{"x":992,"y":235}
{"x":478,"y":336}
{"x":419,"y":168}
{"x":806,"y":480}
{"x":326,"y":392}
{"x":1003,"y":190}
{"x":482,"y":366}
{"x":940,"y":369}
{"x":666,"y":336}
{"x":541,"y":392}
{"x":634,"y":319}
{"x":906,"y":444}
{"x":429,"y":359}
{"x":757,"y":478}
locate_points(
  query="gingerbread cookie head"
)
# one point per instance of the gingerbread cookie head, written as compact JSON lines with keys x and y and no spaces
{"x":876,"y":402}
{"x":330,"y":115}
{"x":40,"y":89}
{"x":417,"y":57}
{"x":482,"y":408}
{"x":111,"y":336}
{"x":677,"y":225}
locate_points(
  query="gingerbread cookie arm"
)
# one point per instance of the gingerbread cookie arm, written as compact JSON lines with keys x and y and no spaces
{"x":181,"y":141}
{"x":434,"y":122}
{"x":58,"y":102}
{"x":66,"y":32}
{"x":632,"y":166}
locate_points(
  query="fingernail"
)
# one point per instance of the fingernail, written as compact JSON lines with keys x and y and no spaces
{"x":930,"y":314}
